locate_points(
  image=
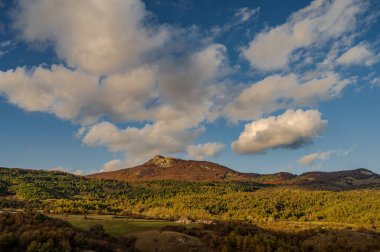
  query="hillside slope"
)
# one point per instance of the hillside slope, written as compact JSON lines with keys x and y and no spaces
{"x":167,"y":168}
{"x":56,"y":192}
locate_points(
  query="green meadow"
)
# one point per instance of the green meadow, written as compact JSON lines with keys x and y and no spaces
{"x":116,"y":226}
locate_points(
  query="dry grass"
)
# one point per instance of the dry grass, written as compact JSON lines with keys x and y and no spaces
{"x":114,"y":226}
{"x":167,"y":241}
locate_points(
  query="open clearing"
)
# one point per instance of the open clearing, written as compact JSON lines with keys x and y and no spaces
{"x":121,"y":226}
{"x":116,"y":226}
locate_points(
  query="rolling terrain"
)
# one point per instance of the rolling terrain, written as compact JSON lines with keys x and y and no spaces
{"x":167,"y":168}
{"x":314,"y":211}
{"x":27,"y":231}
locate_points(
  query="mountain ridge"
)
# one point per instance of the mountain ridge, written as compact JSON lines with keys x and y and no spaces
{"x":168,"y":168}
{"x":161,"y":168}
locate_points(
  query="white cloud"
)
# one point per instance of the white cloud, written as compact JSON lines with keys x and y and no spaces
{"x":97,"y":36}
{"x":320,"y":21}
{"x":357,"y":55}
{"x":241,"y":17}
{"x":278,"y":92}
{"x":187,"y":92}
{"x":58,"y":168}
{"x":119,"y":66}
{"x":200,"y":151}
{"x":74,"y":94}
{"x":6,"y":46}
{"x":193,"y":86}
{"x":80,"y":132}
{"x":112,"y":165}
{"x":175,"y":97}
{"x":376,"y":82}
{"x":58,"y":90}
{"x":244,"y":14}
{"x":78,"y":172}
{"x":310,"y":159}
{"x":140,"y":144}
{"x":293,"y":129}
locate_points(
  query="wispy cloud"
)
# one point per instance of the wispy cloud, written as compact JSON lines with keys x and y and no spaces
{"x":311,"y":159}
{"x":358,"y":55}
{"x":68,"y":170}
{"x":6,"y":46}
{"x":320,"y":21}
{"x":241,"y":17}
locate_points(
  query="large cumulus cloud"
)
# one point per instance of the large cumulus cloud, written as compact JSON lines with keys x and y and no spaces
{"x":97,"y":36}
{"x":200,"y":151}
{"x":284,"y":91}
{"x":293,"y":129}
{"x":118,"y":66}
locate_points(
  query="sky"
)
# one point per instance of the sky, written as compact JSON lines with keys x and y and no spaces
{"x":259,"y":86}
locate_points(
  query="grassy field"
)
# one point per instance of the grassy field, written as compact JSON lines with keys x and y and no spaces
{"x":122,"y":226}
{"x":115,"y":226}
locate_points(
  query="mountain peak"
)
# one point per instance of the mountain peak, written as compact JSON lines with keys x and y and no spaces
{"x":365,"y":171}
{"x":170,"y":168}
{"x":156,"y":157}
{"x":161,"y":161}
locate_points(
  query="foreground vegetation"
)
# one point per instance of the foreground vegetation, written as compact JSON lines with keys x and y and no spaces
{"x":97,"y":215}
{"x":30,"y":231}
{"x":37,"y":232}
{"x":59,"y":193}
{"x":238,"y":236}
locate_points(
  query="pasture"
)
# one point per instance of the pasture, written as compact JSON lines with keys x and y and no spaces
{"x":116,"y":226}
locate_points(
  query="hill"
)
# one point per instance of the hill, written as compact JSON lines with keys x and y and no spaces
{"x":359,"y":178}
{"x":57,"y":192}
{"x":293,"y":199}
{"x":336,"y":180}
{"x":167,"y":168}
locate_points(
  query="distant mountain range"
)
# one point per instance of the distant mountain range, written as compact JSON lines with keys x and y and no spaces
{"x":167,"y":168}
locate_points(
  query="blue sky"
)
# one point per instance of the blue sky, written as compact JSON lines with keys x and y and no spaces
{"x":259,"y":86}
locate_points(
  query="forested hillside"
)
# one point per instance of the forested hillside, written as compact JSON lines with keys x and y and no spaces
{"x":57,"y":192}
{"x":168,"y":168}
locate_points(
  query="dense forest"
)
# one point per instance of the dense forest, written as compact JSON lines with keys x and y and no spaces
{"x":57,"y":192}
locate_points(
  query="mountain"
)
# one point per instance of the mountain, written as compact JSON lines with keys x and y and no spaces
{"x":167,"y":168}
{"x":359,"y":178}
